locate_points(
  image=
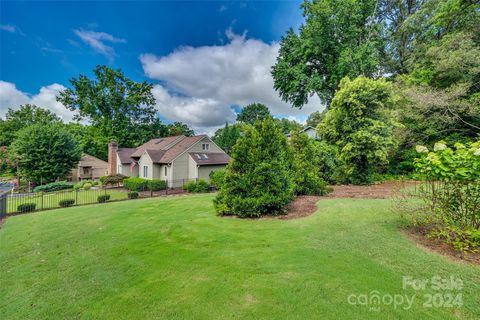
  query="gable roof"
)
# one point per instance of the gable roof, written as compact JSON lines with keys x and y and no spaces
{"x":90,"y":161}
{"x":160,"y":150}
{"x":125,"y":155}
{"x":209,"y":158}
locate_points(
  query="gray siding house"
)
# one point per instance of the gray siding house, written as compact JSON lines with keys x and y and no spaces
{"x":175,"y":159}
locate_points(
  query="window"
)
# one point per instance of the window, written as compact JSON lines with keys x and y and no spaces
{"x":145,"y":171}
{"x":165,"y":171}
{"x":205,"y":146}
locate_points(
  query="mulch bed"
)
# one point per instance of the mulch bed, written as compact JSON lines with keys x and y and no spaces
{"x":383,"y":190}
{"x":419,"y":237}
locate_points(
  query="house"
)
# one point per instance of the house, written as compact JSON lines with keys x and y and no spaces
{"x":89,"y":168}
{"x":310,"y":131}
{"x":175,"y":159}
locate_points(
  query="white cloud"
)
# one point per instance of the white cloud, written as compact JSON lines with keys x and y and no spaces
{"x":11,"y":97}
{"x":97,"y":40}
{"x":210,"y":79}
{"x":8,"y":28}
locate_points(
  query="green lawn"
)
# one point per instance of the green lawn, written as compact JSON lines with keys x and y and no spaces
{"x":50,"y":200}
{"x":172,"y":258}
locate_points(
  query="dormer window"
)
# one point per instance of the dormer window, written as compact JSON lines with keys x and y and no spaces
{"x":205,"y":146}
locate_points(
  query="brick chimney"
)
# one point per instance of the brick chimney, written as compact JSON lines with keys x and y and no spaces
{"x":112,"y":157}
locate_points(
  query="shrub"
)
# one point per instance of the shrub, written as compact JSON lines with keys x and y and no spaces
{"x":135,"y":184}
{"x":26,"y":207}
{"x":449,"y":194}
{"x":112,"y":179}
{"x":66,"y":203}
{"x":87,"y":186}
{"x":156,"y":185}
{"x":54,"y":186}
{"x":103,"y":198}
{"x":258,"y":178}
{"x":217,"y":178}
{"x":132,"y":195}
{"x":197,"y":186}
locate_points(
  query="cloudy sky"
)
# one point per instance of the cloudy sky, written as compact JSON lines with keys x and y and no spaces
{"x":206,"y":59}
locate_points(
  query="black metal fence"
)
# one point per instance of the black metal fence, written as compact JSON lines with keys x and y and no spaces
{"x":15,"y":203}
{"x":27,"y":202}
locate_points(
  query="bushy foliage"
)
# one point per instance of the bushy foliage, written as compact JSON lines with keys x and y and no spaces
{"x":306,"y":173}
{"x":135,"y":184}
{"x":257,"y":180}
{"x":358,"y":123}
{"x":132,"y":195}
{"x":45,"y":152}
{"x":227,"y":136}
{"x":54,"y":186}
{"x":103,"y":198}
{"x":26,"y":207}
{"x":253,"y":112}
{"x":85,"y":184}
{"x":112,"y":179}
{"x":200,"y":186}
{"x":329,"y":165}
{"x":66,"y":203}
{"x":217,"y":178}
{"x":450,"y":193}
{"x":156,"y":185}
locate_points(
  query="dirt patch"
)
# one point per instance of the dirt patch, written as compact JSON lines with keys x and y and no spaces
{"x":302,"y":206}
{"x":383,"y":190}
{"x":419,"y":237}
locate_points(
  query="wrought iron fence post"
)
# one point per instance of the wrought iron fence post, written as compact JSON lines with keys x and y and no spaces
{"x":41,"y":193}
{"x":76,"y":197}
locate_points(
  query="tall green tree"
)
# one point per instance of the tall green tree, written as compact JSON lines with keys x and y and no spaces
{"x":315,"y":118}
{"x":359,"y":123}
{"x":25,"y":116}
{"x":112,"y":103}
{"x":288,"y":125}
{"x":253,"y":112}
{"x":305,"y":166}
{"x":178,"y":128}
{"x":227,"y":136}
{"x":45,"y":152}
{"x":258,"y":179}
{"x":338,"y":39}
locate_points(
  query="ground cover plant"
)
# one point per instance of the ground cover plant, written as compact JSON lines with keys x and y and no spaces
{"x":175,"y":258}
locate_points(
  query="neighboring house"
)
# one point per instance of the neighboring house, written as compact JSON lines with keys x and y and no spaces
{"x":89,"y":168}
{"x":174,"y":159}
{"x":310,"y":131}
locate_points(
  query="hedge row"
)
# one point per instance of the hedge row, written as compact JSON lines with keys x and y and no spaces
{"x":139,"y":184}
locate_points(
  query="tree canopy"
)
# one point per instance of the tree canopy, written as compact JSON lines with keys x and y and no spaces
{"x":45,"y":152}
{"x":25,"y":116}
{"x":338,"y":39}
{"x":358,"y":122}
{"x":253,"y":112}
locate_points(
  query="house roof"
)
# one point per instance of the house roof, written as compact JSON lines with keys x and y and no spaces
{"x":125,"y":155}
{"x":90,"y":161}
{"x":209,"y":158}
{"x":156,"y":144}
{"x":305,"y":129}
{"x":160,"y":150}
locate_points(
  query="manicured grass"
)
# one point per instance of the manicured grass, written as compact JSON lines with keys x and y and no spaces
{"x":50,"y":200}
{"x":172,"y":258}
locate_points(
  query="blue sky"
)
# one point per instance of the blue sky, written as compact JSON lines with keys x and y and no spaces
{"x":204,"y":57}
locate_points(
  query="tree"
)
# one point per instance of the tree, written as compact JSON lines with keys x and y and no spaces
{"x":253,"y":112}
{"x":112,"y":103}
{"x":45,"y":152}
{"x":315,"y":118}
{"x":25,"y":116}
{"x":306,"y":171}
{"x":258,"y":179}
{"x":178,"y":128}
{"x":338,"y":39}
{"x":288,"y":126}
{"x":227,"y":136}
{"x":358,"y":122}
